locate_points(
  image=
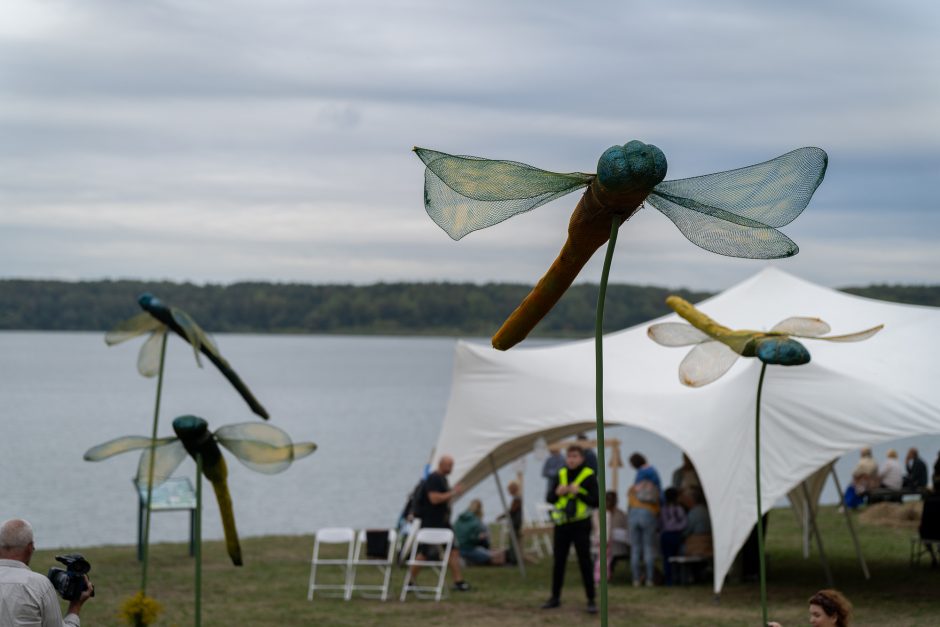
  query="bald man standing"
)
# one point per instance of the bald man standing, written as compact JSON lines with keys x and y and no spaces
{"x":27,"y":599}
{"x":434,"y":510}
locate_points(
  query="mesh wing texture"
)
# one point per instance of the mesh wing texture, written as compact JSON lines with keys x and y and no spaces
{"x":464,"y":194}
{"x":735,"y":213}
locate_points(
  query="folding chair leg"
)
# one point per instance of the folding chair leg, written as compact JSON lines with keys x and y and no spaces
{"x":313,"y":578}
{"x":404,"y":585}
{"x":387,"y":581}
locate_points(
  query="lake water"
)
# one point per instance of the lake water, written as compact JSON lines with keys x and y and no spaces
{"x":374,"y":406}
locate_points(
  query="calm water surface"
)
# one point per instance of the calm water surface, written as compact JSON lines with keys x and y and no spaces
{"x":374,"y":406}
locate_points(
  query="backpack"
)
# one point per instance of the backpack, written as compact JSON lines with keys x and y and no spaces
{"x":418,"y":502}
{"x":646,"y":492}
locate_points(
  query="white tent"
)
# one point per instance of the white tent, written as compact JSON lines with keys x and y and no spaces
{"x":849,"y":396}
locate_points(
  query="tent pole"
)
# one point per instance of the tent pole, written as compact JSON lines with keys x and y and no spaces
{"x":516,"y":545}
{"x":819,"y":542}
{"x":848,"y":521}
{"x":805,"y":529}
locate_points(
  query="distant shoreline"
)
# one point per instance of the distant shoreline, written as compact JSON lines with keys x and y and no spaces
{"x":392,"y":309}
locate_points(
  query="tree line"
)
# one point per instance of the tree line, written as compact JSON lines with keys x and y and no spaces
{"x":383,"y":308}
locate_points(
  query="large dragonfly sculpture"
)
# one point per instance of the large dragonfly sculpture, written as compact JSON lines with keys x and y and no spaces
{"x":261,"y":447}
{"x":156,"y":319}
{"x":734,"y":213}
{"x":716,"y":348}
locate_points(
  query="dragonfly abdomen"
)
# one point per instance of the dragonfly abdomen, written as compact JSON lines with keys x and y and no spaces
{"x":625,"y":176}
{"x":588,"y":230}
{"x":224,"y":498}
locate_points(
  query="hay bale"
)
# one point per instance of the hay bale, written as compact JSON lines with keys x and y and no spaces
{"x":894,"y":515}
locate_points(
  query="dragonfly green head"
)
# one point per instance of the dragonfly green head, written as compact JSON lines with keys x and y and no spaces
{"x":781,"y":351}
{"x":191,"y":428}
{"x":150,"y":303}
{"x":631,"y":168}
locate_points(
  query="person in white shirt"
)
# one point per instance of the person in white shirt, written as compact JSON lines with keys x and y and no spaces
{"x":27,"y":599}
{"x":891,"y":472}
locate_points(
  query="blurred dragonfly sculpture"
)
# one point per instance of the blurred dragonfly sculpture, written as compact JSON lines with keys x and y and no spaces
{"x":261,"y":447}
{"x":156,"y":319}
{"x":734,"y":213}
{"x":716,"y":348}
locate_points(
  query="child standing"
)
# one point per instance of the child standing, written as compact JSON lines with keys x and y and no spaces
{"x":672,"y":521}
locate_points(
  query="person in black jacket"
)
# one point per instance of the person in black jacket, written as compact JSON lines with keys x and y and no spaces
{"x":916,"y":471}
{"x":574,"y":493}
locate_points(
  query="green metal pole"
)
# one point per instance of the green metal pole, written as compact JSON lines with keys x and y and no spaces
{"x":760,"y":522}
{"x":599,"y":387}
{"x":153,"y":447}
{"x":198,"y":534}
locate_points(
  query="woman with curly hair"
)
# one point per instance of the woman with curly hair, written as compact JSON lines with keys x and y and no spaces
{"x":827,"y":608}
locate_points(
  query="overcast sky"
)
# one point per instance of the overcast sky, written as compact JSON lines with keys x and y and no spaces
{"x":222,"y":140}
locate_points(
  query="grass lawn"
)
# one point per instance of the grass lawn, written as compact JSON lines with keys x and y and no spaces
{"x":271,"y":589}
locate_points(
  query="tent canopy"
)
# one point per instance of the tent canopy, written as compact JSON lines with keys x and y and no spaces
{"x":849,"y":396}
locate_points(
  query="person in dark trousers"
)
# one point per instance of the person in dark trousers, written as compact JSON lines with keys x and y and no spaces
{"x":574,"y":493}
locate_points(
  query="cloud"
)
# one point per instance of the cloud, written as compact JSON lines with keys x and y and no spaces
{"x":225,"y":140}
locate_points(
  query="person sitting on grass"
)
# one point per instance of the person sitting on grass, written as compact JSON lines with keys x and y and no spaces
{"x":827,"y":608}
{"x":473,"y":538}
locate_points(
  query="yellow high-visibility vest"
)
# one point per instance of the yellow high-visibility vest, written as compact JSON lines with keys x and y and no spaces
{"x":560,"y":513}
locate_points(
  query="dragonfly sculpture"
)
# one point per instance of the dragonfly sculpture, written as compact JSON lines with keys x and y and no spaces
{"x":156,"y":319}
{"x":716,"y":348}
{"x":734,"y":213}
{"x":261,"y":447}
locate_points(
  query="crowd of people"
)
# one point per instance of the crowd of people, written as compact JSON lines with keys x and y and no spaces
{"x":660,"y":522}
{"x":889,"y":479}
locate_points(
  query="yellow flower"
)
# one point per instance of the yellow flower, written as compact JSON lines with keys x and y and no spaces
{"x":140,"y":610}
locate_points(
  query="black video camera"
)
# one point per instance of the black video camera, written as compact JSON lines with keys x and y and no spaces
{"x":70,"y":583}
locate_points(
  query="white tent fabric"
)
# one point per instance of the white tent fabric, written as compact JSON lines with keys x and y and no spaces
{"x":847,"y":397}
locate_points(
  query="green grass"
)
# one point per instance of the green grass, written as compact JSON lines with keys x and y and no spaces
{"x":271,"y":589}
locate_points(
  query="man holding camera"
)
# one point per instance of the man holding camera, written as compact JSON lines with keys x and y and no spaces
{"x":28,"y":598}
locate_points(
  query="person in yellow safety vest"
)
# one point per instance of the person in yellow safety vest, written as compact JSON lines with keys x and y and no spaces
{"x":574,"y":493}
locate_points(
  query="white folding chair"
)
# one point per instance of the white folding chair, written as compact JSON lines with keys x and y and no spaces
{"x":332,"y":536}
{"x":408,"y":539}
{"x":444,"y":538}
{"x":382,"y":563}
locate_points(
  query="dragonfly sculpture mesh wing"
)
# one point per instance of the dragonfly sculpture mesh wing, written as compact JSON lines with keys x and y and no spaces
{"x":148,"y":359}
{"x":169,"y":453}
{"x":464,"y":194}
{"x":736,"y":213}
{"x":676,"y":334}
{"x":802,"y":327}
{"x":705,"y":363}
{"x":167,"y":458}
{"x":262,"y":447}
{"x":132,"y":327}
